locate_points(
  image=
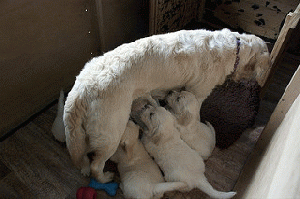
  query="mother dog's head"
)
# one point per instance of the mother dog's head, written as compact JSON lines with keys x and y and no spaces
{"x":253,"y":59}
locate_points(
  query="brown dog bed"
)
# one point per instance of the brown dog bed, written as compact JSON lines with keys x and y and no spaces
{"x":231,"y":108}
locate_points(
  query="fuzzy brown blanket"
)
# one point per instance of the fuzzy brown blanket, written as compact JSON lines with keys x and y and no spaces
{"x":231,"y":108}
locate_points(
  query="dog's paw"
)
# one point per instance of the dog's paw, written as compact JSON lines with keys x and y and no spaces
{"x":86,"y":171}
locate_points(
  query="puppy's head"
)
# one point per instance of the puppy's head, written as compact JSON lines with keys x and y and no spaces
{"x":158,"y":122}
{"x":254,"y":63}
{"x":184,"y":105}
{"x":137,"y":107}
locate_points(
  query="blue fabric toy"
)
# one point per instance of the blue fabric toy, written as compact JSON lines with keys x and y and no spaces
{"x":110,"y":188}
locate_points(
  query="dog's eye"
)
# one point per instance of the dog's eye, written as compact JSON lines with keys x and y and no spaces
{"x":178,"y":98}
{"x":151,"y":114}
{"x":145,"y":107}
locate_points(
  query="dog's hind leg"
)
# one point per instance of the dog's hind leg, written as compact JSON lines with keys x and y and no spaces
{"x":107,"y":121}
{"x":104,"y":147}
{"x":204,"y":186}
{"x":98,"y":163}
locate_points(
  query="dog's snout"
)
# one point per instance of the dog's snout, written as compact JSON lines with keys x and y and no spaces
{"x":182,"y":89}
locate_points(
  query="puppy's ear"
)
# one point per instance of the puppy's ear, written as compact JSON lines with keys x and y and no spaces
{"x":128,"y":148}
{"x":185,"y":119}
{"x":155,"y":136}
{"x":137,"y":120}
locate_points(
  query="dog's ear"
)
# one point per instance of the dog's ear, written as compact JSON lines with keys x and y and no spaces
{"x":250,"y":66}
{"x":128,"y":148}
{"x":185,"y":119}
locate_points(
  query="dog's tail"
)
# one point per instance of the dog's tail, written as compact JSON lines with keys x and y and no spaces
{"x":58,"y":128}
{"x":161,"y":188}
{"x":204,"y":186}
{"x":75,"y":111}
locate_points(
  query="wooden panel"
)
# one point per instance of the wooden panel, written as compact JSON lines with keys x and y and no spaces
{"x":168,"y":16}
{"x":289,"y":29}
{"x":247,"y":176}
{"x":122,"y":21}
{"x":44,"y":45}
{"x":278,"y":173}
{"x":263,"y":18}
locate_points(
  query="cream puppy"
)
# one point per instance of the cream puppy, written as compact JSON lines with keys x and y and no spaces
{"x":186,"y":108}
{"x":58,"y":128}
{"x":97,"y":108}
{"x":177,"y":160}
{"x":140,"y":175}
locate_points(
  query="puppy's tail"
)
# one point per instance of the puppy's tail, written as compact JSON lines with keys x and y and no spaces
{"x":161,"y":188}
{"x":213,"y":134}
{"x":58,"y":128}
{"x":204,"y":186}
{"x":212,"y":129}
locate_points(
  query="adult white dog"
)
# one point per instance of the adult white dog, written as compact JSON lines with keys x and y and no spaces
{"x":140,"y":175}
{"x":179,"y":162}
{"x":186,"y":108}
{"x":98,"y":106}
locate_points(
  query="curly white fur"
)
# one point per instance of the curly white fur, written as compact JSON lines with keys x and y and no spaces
{"x":140,"y":175}
{"x":178,"y":161}
{"x":98,"y":106}
{"x":199,"y":136}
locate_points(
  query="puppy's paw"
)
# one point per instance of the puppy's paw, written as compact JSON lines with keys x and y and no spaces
{"x":183,"y":187}
{"x":106,"y":177}
{"x":229,"y":194}
{"x":86,"y":171}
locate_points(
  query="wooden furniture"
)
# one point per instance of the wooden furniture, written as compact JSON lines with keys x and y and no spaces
{"x":44,"y":45}
{"x":262,"y":18}
{"x":278,"y":140}
{"x":169,"y":16}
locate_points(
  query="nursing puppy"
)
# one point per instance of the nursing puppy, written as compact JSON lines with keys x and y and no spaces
{"x":99,"y":104}
{"x":140,"y":175}
{"x":186,"y":108}
{"x":177,"y":160}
